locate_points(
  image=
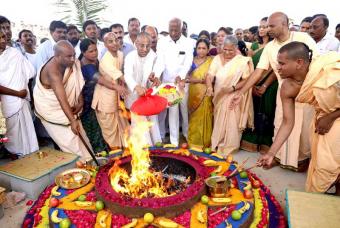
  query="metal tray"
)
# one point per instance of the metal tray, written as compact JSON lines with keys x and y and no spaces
{"x":73,"y":178}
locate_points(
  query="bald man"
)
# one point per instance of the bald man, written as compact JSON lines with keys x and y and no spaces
{"x":106,"y":99}
{"x":58,"y":100}
{"x":295,"y":152}
{"x":317,"y":83}
{"x":154,"y":36}
{"x":15,"y":72}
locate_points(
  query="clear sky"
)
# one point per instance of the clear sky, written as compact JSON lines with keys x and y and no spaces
{"x":208,"y":14}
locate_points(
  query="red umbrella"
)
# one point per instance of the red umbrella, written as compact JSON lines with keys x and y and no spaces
{"x":149,"y":105}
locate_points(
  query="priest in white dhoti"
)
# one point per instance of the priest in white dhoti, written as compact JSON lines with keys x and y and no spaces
{"x":15,"y":71}
{"x":137,"y":69}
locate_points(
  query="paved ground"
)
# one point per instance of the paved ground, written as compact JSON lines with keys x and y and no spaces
{"x":277,"y":179}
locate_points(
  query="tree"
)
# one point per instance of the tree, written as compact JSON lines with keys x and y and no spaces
{"x":79,"y":11}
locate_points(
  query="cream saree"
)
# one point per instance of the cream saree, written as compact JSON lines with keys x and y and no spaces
{"x":229,"y":124}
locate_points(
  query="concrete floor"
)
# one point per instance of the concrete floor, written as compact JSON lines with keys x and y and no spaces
{"x":277,"y":179}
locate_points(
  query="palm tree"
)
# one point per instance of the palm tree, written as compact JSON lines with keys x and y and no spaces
{"x":78,"y":11}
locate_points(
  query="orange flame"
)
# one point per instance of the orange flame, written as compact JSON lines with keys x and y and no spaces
{"x":141,"y":182}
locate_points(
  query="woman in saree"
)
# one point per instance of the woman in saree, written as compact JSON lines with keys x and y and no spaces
{"x":259,"y":139}
{"x":229,"y":70}
{"x":199,"y":105}
{"x":89,"y":68}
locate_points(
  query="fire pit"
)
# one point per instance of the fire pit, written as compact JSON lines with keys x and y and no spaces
{"x":183,"y":178}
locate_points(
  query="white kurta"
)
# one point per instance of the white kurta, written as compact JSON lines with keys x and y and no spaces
{"x":45,"y":52}
{"x":15,"y":71}
{"x":137,"y":70}
{"x":174,"y":59}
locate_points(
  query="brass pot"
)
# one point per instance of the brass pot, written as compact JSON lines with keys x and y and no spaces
{"x":218,"y":186}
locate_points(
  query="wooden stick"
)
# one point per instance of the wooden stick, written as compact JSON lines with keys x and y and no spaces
{"x":218,"y":211}
{"x":240,"y":167}
{"x":88,"y":149}
{"x":231,"y":176}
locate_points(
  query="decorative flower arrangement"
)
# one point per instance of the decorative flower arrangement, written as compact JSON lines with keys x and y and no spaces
{"x":171,"y":93}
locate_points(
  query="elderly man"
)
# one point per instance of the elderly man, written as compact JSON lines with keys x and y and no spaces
{"x":133,"y":29}
{"x":15,"y":71}
{"x":317,"y":83}
{"x":106,"y":100}
{"x":174,"y":58}
{"x":58,"y":100}
{"x":294,"y":154}
{"x":118,"y":30}
{"x":152,"y":31}
{"x":45,"y":50}
{"x":137,"y":68}
{"x":318,"y":31}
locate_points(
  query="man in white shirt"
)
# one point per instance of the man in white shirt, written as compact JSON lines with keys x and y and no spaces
{"x":15,"y":71}
{"x":174,"y":59}
{"x":133,"y":29}
{"x":137,"y":69}
{"x":90,"y":30}
{"x":318,"y":31}
{"x":73,"y":36}
{"x":45,"y":50}
{"x":26,"y":42}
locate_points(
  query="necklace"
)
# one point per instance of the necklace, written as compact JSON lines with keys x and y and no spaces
{"x":200,"y":61}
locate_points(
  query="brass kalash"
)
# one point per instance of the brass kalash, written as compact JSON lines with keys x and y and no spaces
{"x":218,"y":186}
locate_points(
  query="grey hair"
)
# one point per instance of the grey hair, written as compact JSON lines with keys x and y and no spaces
{"x":144,"y":35}
{"x":177,"y":20}
{"x":230,"y":39}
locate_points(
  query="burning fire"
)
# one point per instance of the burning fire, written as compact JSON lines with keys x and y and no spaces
{"x":142,"y":182}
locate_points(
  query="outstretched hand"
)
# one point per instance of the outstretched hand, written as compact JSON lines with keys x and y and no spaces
{"x":266,"y":160}
{"x":155,"y":81}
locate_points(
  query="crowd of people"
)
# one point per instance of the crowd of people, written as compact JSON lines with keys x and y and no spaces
{"x":272,"y":89}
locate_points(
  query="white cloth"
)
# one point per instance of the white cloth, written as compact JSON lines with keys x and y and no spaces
{"x":67,"y":141}
{"x":101,"y":49}
{"x":174,"y":59}
{"x":328,"y":43}
{"x":15,"y":71}
{"x":127,"y":39}
{"x":137,"y":70}
{"x":31,"y":58}
{"x":45,"y":52}
{"x":77,"y":49}
{"x":22,"y":139}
